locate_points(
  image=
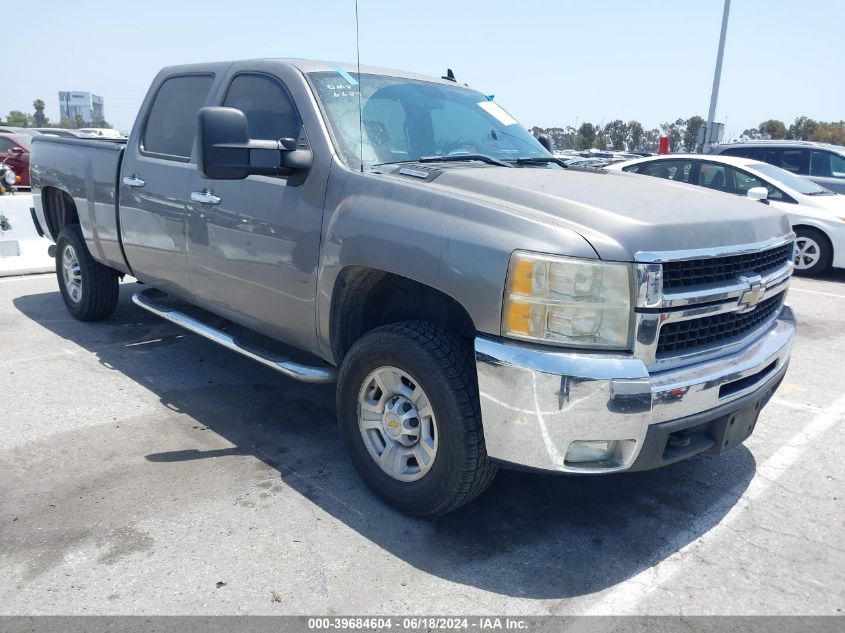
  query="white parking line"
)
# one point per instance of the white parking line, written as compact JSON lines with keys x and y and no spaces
{"x":27,"y":277}
{"x":799,"y":406}
{"x":817,"y":292}
{"x":628,"y":595}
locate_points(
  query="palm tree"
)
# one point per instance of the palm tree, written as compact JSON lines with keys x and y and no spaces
{"x":39,"y":118}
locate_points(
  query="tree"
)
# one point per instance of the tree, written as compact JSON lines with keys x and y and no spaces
{"x":651,"y":140}
{"x":17,"y":118}
{"x":691,"y":127}
{"x":39,"y":118}
{"x":773,"y":129}
{"x":570,"y":138}
{"x":601,"y":139}
{"x":635,"y":135}
{"x":586,"y":136}
{"x":802,"y":129}
{"x":78,"y":121}
{"x":751,"y":134}
{"x":675,"y":133}
{"x":833,"y":133}
{"x":617,"y":132}
{"x":561,"y":138}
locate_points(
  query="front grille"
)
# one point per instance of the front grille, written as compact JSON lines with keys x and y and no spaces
{"x":685,"y":336}
{"x":714,"y":269}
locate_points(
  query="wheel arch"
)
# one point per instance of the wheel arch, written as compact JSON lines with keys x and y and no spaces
{"x":827,"y":244}
{"x":815,"y":227}
{"x":59,"y":210}
{"x":365,"y":298}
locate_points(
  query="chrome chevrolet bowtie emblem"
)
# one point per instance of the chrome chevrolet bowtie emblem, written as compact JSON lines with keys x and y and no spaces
{"x":753,"y":294}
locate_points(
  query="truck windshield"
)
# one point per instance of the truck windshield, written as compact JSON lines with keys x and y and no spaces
{"x":405,"y":119}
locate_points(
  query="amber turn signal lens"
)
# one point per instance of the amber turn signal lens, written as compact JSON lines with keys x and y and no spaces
{"x":519,"y":317}
{"x":523,"y":275}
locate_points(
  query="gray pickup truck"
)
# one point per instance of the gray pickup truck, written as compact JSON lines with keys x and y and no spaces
{"x":478,"y":304}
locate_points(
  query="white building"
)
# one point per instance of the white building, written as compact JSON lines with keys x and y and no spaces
{"x":85,"y":104}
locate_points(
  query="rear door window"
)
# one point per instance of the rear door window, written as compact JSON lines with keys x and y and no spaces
{"x":677,"y":170}
{"x":763,"y":154}
{"x":795,"y":160}
{"x":746,"y":152}
{"x":712,"y":176}
{"x":172,"y":121}
{"x":827,"y":164}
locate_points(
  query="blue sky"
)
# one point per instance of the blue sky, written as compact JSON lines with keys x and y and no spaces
{"x":548,"y":62}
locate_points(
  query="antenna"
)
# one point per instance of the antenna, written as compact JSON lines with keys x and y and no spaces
{"x":360,"y":85}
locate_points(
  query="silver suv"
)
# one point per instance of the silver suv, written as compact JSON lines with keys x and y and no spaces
{"x":822,"y":163}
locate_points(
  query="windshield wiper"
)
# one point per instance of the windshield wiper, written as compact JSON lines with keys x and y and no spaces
{"x":394,"y":162}
{"x":482,"y":158}
{"x":822,"y":192}
{"x":539,"y":160}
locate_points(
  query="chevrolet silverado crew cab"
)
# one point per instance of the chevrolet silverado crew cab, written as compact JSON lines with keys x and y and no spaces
{"x":479,"y":304}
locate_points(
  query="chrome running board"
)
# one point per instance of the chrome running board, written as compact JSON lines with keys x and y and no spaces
{"x":292,"y":369}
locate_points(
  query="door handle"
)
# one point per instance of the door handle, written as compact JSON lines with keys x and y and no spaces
{"x":205,"y":196}
{"x":133,"y":181}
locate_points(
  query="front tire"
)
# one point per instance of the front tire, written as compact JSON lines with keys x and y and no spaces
{"x":408,"y":411}
{"x":89,"y":289}
{"x":813,"y":252}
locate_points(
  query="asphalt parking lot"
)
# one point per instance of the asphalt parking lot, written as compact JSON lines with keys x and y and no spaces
{"x":144,"y":470}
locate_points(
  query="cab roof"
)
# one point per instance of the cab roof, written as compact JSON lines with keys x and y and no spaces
{"x":312,"y":65}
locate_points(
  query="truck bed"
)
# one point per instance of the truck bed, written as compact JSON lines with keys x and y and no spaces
{"x":88,"y":169}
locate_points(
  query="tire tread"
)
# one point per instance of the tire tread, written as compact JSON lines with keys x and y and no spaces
{"x":101,"y":288}
{"x":454,"y":357}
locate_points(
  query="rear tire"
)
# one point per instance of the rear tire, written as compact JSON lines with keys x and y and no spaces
{"x":89,"y":289}
{"x":814,"y":252}
{"x":430,"y":367}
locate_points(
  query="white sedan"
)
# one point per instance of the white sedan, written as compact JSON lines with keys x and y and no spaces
{"x":817,"y":214}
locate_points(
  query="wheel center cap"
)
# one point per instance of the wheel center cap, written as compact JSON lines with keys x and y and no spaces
{"x":392,"y":425}
{"x":400,"y":421}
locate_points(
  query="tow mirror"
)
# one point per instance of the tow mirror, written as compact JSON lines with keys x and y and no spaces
{"x":758,"y":193}
{"x":226,"y":152}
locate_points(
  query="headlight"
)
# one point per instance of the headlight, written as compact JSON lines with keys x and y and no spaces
{"x":567,"y":301}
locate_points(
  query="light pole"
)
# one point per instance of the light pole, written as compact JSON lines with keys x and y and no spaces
{"x":717,"y":76}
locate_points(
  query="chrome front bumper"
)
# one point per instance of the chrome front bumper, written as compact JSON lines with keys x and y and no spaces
{"x":536,"y":402}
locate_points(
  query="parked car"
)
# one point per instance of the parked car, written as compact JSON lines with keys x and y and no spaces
{"x":11,"y":129}
{"x":586,"y":163}
{"x":478,"y":303}
{"x":822,"y":163}
{"x":57,"y":131}
{"x":16,"y":147}
{"x":101,"y":132}
{"x":817,"y":214}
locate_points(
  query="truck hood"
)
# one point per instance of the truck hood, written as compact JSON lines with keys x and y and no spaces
{"x":620,"y":214}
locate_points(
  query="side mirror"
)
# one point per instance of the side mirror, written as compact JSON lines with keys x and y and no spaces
{"x":15,"y":151}
{"x":546,"y":141}
{"x":226,"y":152}
{"x":758,"y":193}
